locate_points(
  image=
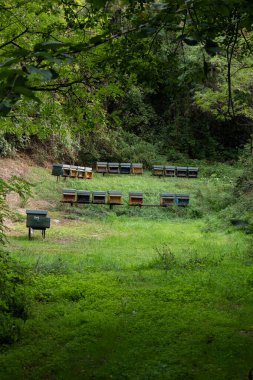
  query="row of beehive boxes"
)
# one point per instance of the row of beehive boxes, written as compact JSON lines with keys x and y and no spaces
{"x":119,"y":168}
{"x":115,"y":197}
{"x":72,"y":171}
{"x":172,"y":171}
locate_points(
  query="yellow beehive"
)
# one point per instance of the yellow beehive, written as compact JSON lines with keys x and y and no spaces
{"x":137,"y":169}
{"x":114,"y":197}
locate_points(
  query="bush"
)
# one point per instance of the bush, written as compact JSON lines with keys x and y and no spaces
{"x":13,"y":299}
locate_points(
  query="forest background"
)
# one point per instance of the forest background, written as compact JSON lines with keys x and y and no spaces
{"x":127,"y":81}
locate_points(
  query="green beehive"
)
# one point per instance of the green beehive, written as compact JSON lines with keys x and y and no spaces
{"x":57,"y":170}
{"x":37,"y":219}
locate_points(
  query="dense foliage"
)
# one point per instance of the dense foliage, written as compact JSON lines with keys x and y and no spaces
{"x":176,"y":74}
{"x":13,"y":298}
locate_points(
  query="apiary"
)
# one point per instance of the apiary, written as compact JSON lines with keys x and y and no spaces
{"x":114,"y":197}
{"x":99,"y":197}
{"x":137,"y":168}
{"x":169,"y":171}
{"x":135,"y":198}
{"x":167,"y":199}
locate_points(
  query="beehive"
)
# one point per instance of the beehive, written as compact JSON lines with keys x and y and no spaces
{"x":66,"y":170}
{"x":57,"y":170}
{"x":68,"y":195}
{"x":101,"y":167}
{"x":99,"y":197}
{"x":113,"y":167}
{"x":88,"y":173}
{"x":192,"y":172}
{"x":83,"y":196}
{"x":158,"y":170}
{"x":73,"y":171}
{"x":182,"y":200}
{"x":37,"y":219}
{"x":114,"y":197}
{"x":169,"y":171}
{"x":181,"y":171}
{"x":135,"y":198}
{"x":125,"y":168}
{"x":137,"y":168}
{"x":80,"y":172}
{"x":167,"y":199}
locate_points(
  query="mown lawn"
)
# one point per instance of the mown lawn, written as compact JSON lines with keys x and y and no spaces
{"x":133,"y":293}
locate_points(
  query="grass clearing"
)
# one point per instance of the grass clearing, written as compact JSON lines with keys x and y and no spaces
{"x":133,"y":294}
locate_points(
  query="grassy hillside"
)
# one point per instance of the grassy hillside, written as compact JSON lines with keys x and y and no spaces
{"x":131,"y":293}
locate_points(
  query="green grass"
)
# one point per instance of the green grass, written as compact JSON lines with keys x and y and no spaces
{"x":137,"y":294}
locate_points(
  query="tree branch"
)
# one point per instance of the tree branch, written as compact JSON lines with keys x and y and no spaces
{"x":13,"y":39}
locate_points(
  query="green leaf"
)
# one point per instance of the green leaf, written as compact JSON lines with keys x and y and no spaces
{"x":26,"y":92}
{"x":49,"y":45}
{"x":5,"y":107}
{"x":9,"y":62}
